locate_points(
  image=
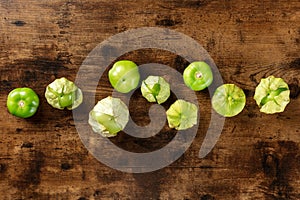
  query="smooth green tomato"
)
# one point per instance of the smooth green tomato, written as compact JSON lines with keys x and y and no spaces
{"x":272,"y":95}
{"x":22,"y":102}
{"x":198,"y":76}
{"x":124,"y":76}
{"x":228,"y":100}
{"x":62,"y":93}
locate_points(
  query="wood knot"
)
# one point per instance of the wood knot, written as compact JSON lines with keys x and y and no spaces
{"x":65,"y":166}
{"x":270,"y":163}
{"x":167,"y":22}
{"x":207,"y":197}
{"x":19,"y":130}
{"x":294,"y":88}
{"x":27,"y":145}
{"x":2,"y":167}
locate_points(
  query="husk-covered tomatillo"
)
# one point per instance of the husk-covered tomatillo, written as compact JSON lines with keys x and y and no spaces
{"x":182,"y":115}
{"x":109,"y":116}
{"x":272,"y":95}
{"x":155,"y":89}
{"x":228,"y":100}
{"x":62,"y":93}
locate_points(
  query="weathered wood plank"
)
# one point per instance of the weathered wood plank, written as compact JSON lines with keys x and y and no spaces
{"x":257,"y":155}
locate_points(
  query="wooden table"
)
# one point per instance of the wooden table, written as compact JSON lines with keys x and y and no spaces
{"x":257,"y":155}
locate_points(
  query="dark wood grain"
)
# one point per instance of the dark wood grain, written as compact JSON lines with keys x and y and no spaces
{"x":257,"y":155}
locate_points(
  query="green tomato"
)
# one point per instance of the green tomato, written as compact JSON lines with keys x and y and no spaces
{"x":228,"y":100}
{"x":182,"y":115}
{"x":155,"y":89}
{"x":109,"y":116}
{"x":272,"y":95}
{"x":198,"y":76}
{"x":22,"y":102}
{"x":62,"y":93}
{"x":124,"y":76}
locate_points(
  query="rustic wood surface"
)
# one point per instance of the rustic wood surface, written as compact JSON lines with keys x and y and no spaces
{"x":257,"y":155}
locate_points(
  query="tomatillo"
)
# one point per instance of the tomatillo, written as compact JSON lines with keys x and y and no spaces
{"x":198,"y":75}
{"x":272,"y":95}
{"x":109,"y":116}
{"x":124,"y":76}
{"x":22,"y":102}
{"x":228,"y":100}
{"x":155,"y":89}
{"x":182,"y":115}
{"x":63,"y":93}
